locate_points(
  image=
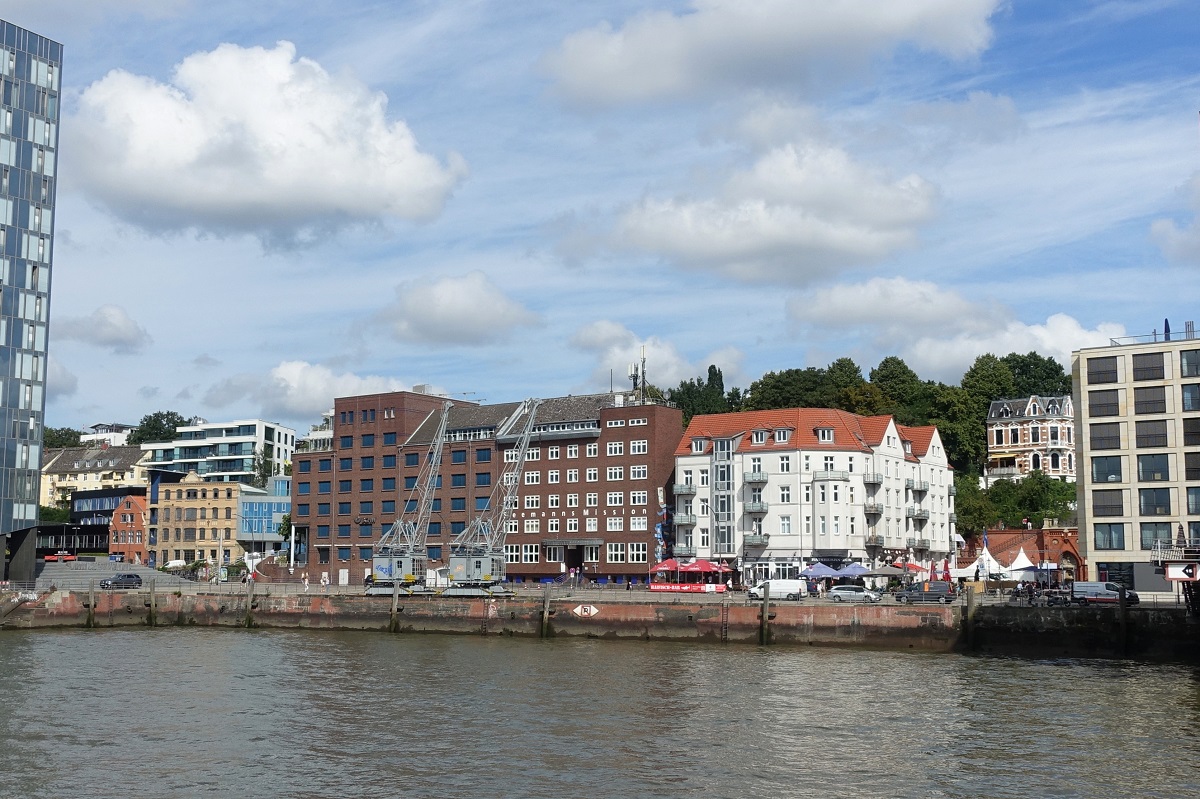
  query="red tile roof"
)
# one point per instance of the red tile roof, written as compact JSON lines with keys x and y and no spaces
{"x":850,"y":431}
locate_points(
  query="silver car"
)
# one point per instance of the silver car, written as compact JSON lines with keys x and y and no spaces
{"x":852,"y":593}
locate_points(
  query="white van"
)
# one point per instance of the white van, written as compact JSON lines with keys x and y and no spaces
{"x":1100,"y":593}
{"x":781,"y":589}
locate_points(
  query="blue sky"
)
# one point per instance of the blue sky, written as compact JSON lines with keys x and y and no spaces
{"x":266,"y":205}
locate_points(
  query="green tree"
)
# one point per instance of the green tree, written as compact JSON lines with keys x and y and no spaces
{"x":961,"y":429}
{"x":285,"y":526}
{"x":700,"y":396}
{"x":791,"y":388}
{"x":1040,"y":497}
{"x":1035,"y":374}
{"x":971,"y":504}
{"x":864,"y":399}
{"x":53,"y":515}
{"x":262,"y":468}
{"x":157,"y":426}
{"x":58,"y":437}
{"x":907,"y":398}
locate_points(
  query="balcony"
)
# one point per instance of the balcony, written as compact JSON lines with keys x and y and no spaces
{"x":757,"y":539}
{"x":684,"y":489}
{"x":685,"y":519}
{"x":827,"y":475}
{"x":953,"y":518}
{"x":757,"y":507}
{"x":756,"y":477}
{"x":953,"y":490}
{"x":873,"y":478}
{"x":911,"y":543}
{"x":916,"y":513}
{"x":873,"y":540}
{"x":920,"y":486}
{"x":872,"y":508}
{"x":684,"y":551}
{"x":923,"y":543}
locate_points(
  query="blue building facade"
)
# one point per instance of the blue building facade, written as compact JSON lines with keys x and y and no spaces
{"x":261,"y":514}
{"x":30,"y":72}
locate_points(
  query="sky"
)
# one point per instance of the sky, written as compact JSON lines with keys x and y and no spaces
{"x":264,"y":206}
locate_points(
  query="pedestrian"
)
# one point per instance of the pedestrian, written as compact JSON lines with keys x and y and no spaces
{"x":304,"y":579}
{"x":629,"y":584}
{"x":325,"y":582}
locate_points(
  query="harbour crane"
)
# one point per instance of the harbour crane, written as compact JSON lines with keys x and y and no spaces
{"x":477,"y":562}
{"x":400,"y":558}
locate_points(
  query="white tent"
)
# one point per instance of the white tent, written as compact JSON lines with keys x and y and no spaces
{"x":1020,"y":563}
{"x":984,"y":565}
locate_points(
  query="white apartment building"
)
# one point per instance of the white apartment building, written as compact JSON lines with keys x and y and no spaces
{"x":770,"y":492}
{"x":223,"y":452}
{"x":1138,"y":449}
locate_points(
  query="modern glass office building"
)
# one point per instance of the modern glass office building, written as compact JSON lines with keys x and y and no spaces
{"x":30,"y":70}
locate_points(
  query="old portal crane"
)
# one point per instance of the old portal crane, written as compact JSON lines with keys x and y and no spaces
{"x":477,"y":553}
{"x":399,"y":559}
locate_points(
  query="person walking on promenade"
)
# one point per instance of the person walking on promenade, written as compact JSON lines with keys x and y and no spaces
{"x":325,"y":582}
{"x":304,"y":579}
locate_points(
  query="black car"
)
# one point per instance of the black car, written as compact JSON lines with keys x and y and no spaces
{"x":122,"y":581}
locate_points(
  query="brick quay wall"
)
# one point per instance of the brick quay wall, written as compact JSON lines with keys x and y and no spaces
{"x":1147,"y":633}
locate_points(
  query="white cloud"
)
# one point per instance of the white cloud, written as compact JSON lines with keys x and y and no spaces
{"x":109,"y":327}
{"x":470,"y":309}
{"x":60,"y":383}
{"x":734,"y":44}
{"x":937,"y":331}
{"x":615,"y":347}
{"x":1180,"y":244}
{"x":982,"y":117}
{"x":297,"y":389}
{"x":251,"y":140}
{"x":799,"y":212}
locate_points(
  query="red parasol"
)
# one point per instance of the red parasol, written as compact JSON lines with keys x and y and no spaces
{"x":668,"y":565}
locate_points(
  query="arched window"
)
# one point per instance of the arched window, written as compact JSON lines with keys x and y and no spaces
{"x":1054,"y":460}
{"x":1036,"y":461}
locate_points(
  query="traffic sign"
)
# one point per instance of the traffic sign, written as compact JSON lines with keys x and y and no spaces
{"x":585,"y":611}
{"x":1183,"y":571}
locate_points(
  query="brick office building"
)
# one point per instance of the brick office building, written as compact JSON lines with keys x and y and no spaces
{"x":597,"y":471}
{"x":343,"y":498}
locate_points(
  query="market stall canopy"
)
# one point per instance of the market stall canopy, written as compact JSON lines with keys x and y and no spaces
{"x":668,"y":565}
{"x":853,"y":570}
{"x":819,"y":570}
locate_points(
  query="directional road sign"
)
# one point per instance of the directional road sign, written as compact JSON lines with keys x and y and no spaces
{"x":1183,"y":571}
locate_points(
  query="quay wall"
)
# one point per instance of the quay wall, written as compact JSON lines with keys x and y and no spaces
{"x":1146,"y":633}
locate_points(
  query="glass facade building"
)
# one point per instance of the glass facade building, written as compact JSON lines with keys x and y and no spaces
{"x":30,"y":72}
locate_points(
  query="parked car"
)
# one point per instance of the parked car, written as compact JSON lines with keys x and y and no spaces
{"x":931,"y":591}
{"x":852,"y":593}
{"x":1084,"y":593}
{"x":122,"y":581}
{"x":780,"y":589}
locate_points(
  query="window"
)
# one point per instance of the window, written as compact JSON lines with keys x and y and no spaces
{"x":343,"y":508}
{"x":302,"y":509}
{"x":1191,"y":466}
{"x":637,"y":552}
{"x":1155,"y":531}
{"x":572,"y":525}
{"x":638,"y":497}
{"x":325,"y":465}
{"x":1106,"y":469}
{"x":555,"y":554}
{"x":1150,"y":399}
{"x":785,"y":493}
{"x":389,"y":461}
{"x":304,"y":467}
{"x":368,"y":462}
{"x":1191,"y":396}
{"x":572,"y":500}
{"x":345,"y":486}
{"x":593,"y":475}
{"x":615,"y":473}
{"x":1106,"y":435}
{"x":552,"y":476}
{"x":825,"y":435}
{"x":552,"y":453}
{"x":483,"y":479}
{"x":366,"y":485}
{"x":458,"y":481}
{"x":552,"y":501}
{"x":343,"y":554}
{"x":572,"y":475}
{"x":322,"y":531}
{"x":593,"y":450}
{"x":640,"y":447}
{"x":481,"y":503}
{"x":1104,"y":403}
{"x":532,"y":502}
{"x":435,"y":528}
{"x":1107,"y":503}
{"x":512,"y":553}
{"x":782,"y":436}
{"x":346,"y":442}
{"x":572,"y":450}
{"x":703,"y":477}
{"x":323,"y":508}
{"x":343,"y":531}
{"x":615,"y":499}
{"x":412,"y":459}
{"x":1154,"y":501}
{"x":698,"y":445}
{"x":615,"y":448}
{"x":389,"y":484}
{"x":323,"y":487}
{"x":458,"y":503}
{"x":1102,"y":370}
{"x":387,"y":506}
{"x":614,"y":524}
{"x":389,"y":439}
{"x":301,"y":488}
{"x":368,"y":440}
{"x":785,"y":463}
{"x":615,"y":553}
{"x":1148,"y":366}
{"x":345,"y":464}
{"x":1151,"y":434}
{"x":366,"y":507}
{"x":533,"y":478}
{"x":458,"y":456}
{"x":593,"y":500}
{"x":483,"y":455}
{"x":1110,"y":536}
{"x":758,"y":437}
{"x":533,"y":454}
{"x":533,"y":526}
{"x":638,"y":472}
{"x":1152,"y":468}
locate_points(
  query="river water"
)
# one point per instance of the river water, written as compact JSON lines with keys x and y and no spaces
{"x":250,"y":713}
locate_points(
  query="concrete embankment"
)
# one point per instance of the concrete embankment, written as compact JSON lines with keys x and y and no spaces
{"x":1165,"y":634}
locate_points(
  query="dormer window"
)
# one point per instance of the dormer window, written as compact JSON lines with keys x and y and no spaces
{"x":782,"y":436}
{"x":760,"y":437}
{"x":1005,"y":412}
{"x":825,"y":435}
{"x":907,"y":447}
{"x":698,"y":444}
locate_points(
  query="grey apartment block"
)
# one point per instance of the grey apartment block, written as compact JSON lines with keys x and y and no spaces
{"x":30,"y":72}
